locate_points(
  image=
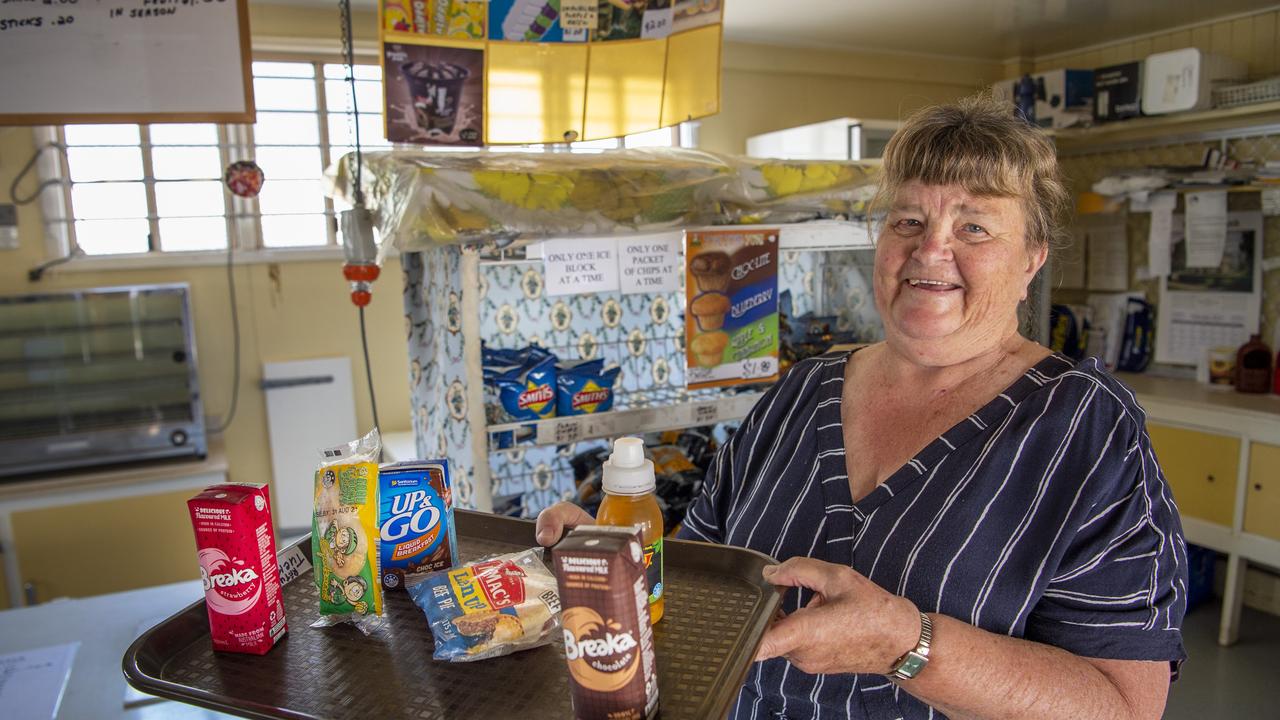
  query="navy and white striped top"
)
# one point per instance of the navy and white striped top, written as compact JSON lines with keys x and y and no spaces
{"x":1043,"y":515}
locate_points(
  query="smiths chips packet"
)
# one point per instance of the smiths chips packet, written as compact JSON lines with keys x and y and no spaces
{"x":344,"y":530}
{"x":585,"y":387}
{"x":495,"y":607}
{"x":524,"y":393}
{"x":416,"y":520}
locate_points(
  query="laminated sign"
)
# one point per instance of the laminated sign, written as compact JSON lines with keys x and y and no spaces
{"x":731,"y":313}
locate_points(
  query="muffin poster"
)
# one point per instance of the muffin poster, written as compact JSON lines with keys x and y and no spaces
{"x":433,"y":94}
{"x":731,"y":309}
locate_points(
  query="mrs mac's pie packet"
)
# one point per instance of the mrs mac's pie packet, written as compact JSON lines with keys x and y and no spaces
{"x":490,"y":608}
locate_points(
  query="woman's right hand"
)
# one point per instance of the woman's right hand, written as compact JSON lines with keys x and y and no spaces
{"x":552,"y":521}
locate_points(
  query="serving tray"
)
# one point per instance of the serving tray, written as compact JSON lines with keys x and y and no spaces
{"x":718,"y":608}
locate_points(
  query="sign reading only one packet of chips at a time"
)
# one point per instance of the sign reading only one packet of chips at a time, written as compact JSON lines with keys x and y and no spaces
{"x":731,"y":309}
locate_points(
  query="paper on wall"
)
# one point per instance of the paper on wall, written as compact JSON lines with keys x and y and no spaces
{"x":1108,"y":251}
{"x":1203,"y":308}
{"x":1159,"y":248}
{"x":1206,"y":230}
{"x":579,"y":267}
{"x":650,"y":264}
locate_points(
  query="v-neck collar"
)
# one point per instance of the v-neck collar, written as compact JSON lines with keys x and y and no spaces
{"x":845,"y":516}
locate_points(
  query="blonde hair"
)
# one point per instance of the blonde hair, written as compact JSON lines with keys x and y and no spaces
{"x":978,"y":144}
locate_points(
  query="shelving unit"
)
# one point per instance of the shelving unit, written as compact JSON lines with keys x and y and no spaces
{"x":643,"y":333}
{"x":1242,"y":121}
{"x":638,"y":413}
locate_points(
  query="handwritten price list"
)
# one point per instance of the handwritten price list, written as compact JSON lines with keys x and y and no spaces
{"x":45,"y":15}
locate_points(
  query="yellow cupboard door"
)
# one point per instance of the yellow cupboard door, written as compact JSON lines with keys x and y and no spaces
{"x":1262,"y":501}
{"x":1201,"y":468}
{"x":107,"y":546}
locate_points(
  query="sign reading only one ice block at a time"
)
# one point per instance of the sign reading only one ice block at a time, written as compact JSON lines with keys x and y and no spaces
{"x":731,"y":309}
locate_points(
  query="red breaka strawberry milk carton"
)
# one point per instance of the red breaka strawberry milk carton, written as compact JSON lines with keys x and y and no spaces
{"x":236,"y":546}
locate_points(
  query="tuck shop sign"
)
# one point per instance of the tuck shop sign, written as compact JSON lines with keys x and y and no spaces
{"x":640,"y":264}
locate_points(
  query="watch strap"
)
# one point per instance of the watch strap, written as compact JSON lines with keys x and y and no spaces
{"x":915,"y":659}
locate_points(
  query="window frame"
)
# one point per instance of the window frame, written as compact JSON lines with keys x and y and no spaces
{"x":242,"y":216}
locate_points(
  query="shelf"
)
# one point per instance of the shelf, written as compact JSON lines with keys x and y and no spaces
{"x":813,"y":236}
{"x":1166,"y":129}
{"x":640,"y":413}
{"x":38,"y":331}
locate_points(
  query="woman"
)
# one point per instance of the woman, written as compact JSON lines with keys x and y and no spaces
{"x":969,"y":524}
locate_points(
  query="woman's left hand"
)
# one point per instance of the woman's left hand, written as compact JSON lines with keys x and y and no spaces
{"x":851,"y":625}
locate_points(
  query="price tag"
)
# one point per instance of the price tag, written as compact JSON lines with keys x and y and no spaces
{"x":706,"y":413}
{"x":560,"y":431}
{"x":578,"y":14}
{"x":657,"y":22}
{"x":759,"y":367}
{"x":293,"y":564}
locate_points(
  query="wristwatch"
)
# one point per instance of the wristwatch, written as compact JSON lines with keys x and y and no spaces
{"x":910,"y":664}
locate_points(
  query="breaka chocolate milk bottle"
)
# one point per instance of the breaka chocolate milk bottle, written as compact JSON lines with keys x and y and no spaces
{"x":608,"y":640}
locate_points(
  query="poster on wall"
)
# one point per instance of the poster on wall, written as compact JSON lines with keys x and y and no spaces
{"x":731,"y":308}
{"x":457,"y":19}
{"x":690,"y":14}
{"x":1218,"y":307}
{"x":433,"y":95}
{"x":530,"y":21}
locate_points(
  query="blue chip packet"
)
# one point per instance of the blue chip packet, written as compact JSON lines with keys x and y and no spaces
{"x":584,"y":388}
{"x":527,"y":393}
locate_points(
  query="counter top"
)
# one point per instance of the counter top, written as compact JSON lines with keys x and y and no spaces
{"x":130,"y":474}
{"x":1198,"y":394}
{"x":105,"y":626}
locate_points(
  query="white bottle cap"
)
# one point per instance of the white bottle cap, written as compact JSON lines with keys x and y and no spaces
{"x":627,"y":471}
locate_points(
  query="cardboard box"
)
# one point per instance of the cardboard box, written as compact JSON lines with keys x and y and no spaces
{"x":1117,"y":92}
{"x":1181,"y":80}
{"x":1064,"y":98}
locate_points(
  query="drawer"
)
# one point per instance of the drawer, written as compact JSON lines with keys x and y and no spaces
{"x":107,"y":546}
{"x":1262,"y":499}
{"x":1201,"y":469}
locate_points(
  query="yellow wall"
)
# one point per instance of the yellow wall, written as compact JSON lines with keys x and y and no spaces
{"x":1251,"y":39}
{"x":768,"y":88}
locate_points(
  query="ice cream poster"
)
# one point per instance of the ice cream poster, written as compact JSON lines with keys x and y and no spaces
{"x":433,"y":94}
{"x":731,"y":308}
{"x":529,"y":21}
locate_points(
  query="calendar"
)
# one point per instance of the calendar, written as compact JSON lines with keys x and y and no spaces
{"x":1205,"y":308}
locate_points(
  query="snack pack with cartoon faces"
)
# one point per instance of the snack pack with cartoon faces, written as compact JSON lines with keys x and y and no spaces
{"x":495,"y":607}
{"x":344,"y":529}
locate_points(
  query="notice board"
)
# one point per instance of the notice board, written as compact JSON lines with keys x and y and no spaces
{"x":92,"y":61}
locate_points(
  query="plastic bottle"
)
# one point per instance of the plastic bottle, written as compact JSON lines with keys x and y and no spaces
{"x":629,"y":499}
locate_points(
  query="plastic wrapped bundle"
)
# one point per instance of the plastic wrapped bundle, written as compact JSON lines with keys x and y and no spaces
{"x":422,"y":199}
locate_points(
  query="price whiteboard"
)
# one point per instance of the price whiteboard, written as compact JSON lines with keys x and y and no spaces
{"x":88,"y":61}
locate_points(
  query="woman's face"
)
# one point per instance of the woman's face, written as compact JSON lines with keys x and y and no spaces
{"x":950,"y":270}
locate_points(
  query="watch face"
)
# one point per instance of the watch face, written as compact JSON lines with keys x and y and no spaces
{"x":912,"y":664}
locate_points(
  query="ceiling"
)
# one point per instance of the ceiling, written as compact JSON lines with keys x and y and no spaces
{"x":987,"y":29}
{"x":984,"y":29}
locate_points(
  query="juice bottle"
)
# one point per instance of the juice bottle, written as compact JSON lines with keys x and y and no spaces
{"x":629,"y":500}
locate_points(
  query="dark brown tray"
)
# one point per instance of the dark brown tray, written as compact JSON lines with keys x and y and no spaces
{"x":718,"y":607}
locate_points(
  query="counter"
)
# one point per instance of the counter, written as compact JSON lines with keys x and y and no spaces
{"x":1220,"y":452}
{"x":48,"y":523}
{"x":105,"y":626}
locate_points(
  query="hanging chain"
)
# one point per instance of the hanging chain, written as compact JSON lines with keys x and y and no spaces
{"x":348,"y":58}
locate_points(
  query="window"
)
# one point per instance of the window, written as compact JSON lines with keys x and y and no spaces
{"x":138,"y":189}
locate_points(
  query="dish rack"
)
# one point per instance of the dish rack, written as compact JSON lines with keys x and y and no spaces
{"x":1249,"y":94}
